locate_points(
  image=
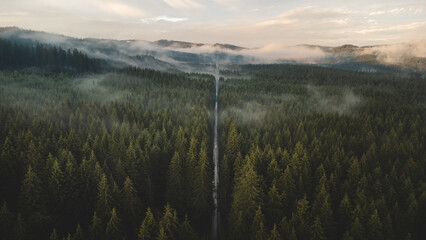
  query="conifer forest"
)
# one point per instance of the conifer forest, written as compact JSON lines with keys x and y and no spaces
{"x":90,"y":149}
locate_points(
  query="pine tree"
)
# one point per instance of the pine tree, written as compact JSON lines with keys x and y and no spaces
{"x":300,"y":219}
{"x":322,"y":209}
{"x":224,"y":186}
{"x":274,"y":205}
{"x":20,"y":229}
{"x":6,"y":221}
{"x":273,"y":172}
{"x":186,"y":231}
{"x":299,"y":168}
{"x":232,"y":147}
{"x":181,"y":143}
{"x":162,"y":235}
{"x":148,"y":229}
{"x":8,"y":170}
{"x":130,"y":204}
{"x":78,"y":234}
{"x":175,"y":185}
{"x":374,"y":227}
{"x":258,"y":229}
{"x":53,"y":235}
{"x":203,"y":189}
{"x":113,"y":228}
{"x":357,"y":230}
{"x":317,"y":229}
{"x":190,"y":172}
{"x":169,"y":222}
{"x":344,"y":213}
{"x":103,"y":205}
{"x":287,"y":185}
{"x":96,"y":228}
{"x":274,"y":234}
{"x":247,"y":196}
{"x":55,"y":186}
{"x":31,"y":199}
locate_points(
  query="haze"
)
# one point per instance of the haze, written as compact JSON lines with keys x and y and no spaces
{"x":247,"y":23}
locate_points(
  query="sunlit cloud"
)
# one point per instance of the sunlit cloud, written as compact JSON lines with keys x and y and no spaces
{"x":122,"y":10}
{"x":402,"y":27}
{"x":248,"y":23}
{"x":396,"y":11}
{"x":163,"y":18}
{"x":183,"y":3}
{"x":305,"y":14}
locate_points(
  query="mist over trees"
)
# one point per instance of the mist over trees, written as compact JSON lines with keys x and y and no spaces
{"x":306,"y":152}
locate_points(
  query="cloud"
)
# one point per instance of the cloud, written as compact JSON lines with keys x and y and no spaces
{"x":276,"y":51}
{"x":183,"y":4}
{"x":397,"y":11}
{"x":398,"y":53}
{"x":163,"y":18}
{"x":121,"y":9}
{"x":393,"y":29}
{"x":305,"y":14}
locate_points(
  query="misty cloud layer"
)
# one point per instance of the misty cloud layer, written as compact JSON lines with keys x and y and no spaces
{"x":202,"y":57}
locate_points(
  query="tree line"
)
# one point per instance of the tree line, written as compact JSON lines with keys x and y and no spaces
{"x":56,"y":59}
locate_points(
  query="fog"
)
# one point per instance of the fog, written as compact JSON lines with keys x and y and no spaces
{"x":203,"y":57}
{"x":342,"y":101}
{"x":398,"y":53}
{"x":91,"y":87}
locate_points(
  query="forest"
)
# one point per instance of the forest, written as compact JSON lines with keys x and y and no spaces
{"x":88,"y":151}
{"x":318,"y":153}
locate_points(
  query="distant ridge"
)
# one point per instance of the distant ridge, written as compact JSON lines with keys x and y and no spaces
{"x":172,"y":55}
{"x":180,"y":44}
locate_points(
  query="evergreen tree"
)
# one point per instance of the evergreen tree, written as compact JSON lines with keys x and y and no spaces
{"x":148,"y":229}
{"x":203,"y":189}
{"x":317,"y":229}
{"x":344,"y":213}
{"x":357,"y":230}
{"x":104,"y":199}
{"x":55,"y":186}
{"x":374,"y":227}
{"x":131,"y":205}
{"x":300,"y":220}
{"x":53,"y":235}
{"x":78,"y":234}
{"x":96,"y":228}
{"x":175,"y":184}
{"x":6,"y":221}
{"x":169,"y":222}
{"x":20,"y":229}
{"x":247,"y":196}
{"x":113,"y":228}
{"x":258,"y":231}
{"x":31,"y":195}
{"x":274,"y":234}
{"x":322,"y":209}
{"x":186,"y":231}
{"x":274,"y":205}
{"x":162,"y":235}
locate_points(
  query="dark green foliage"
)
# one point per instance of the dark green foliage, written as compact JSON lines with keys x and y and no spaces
{"x":85,"y":159}
{"x":148,"y":228}
{"x":114,"y":229}
{"x":69,"y":158}
{"x":328,"y":168}
{"x":14,"y":56}
{"x":7,"y":221}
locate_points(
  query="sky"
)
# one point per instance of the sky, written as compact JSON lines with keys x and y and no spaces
{"x":247,"y":23}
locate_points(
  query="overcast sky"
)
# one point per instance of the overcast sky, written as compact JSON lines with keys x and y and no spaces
{"x":249,"y":23}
